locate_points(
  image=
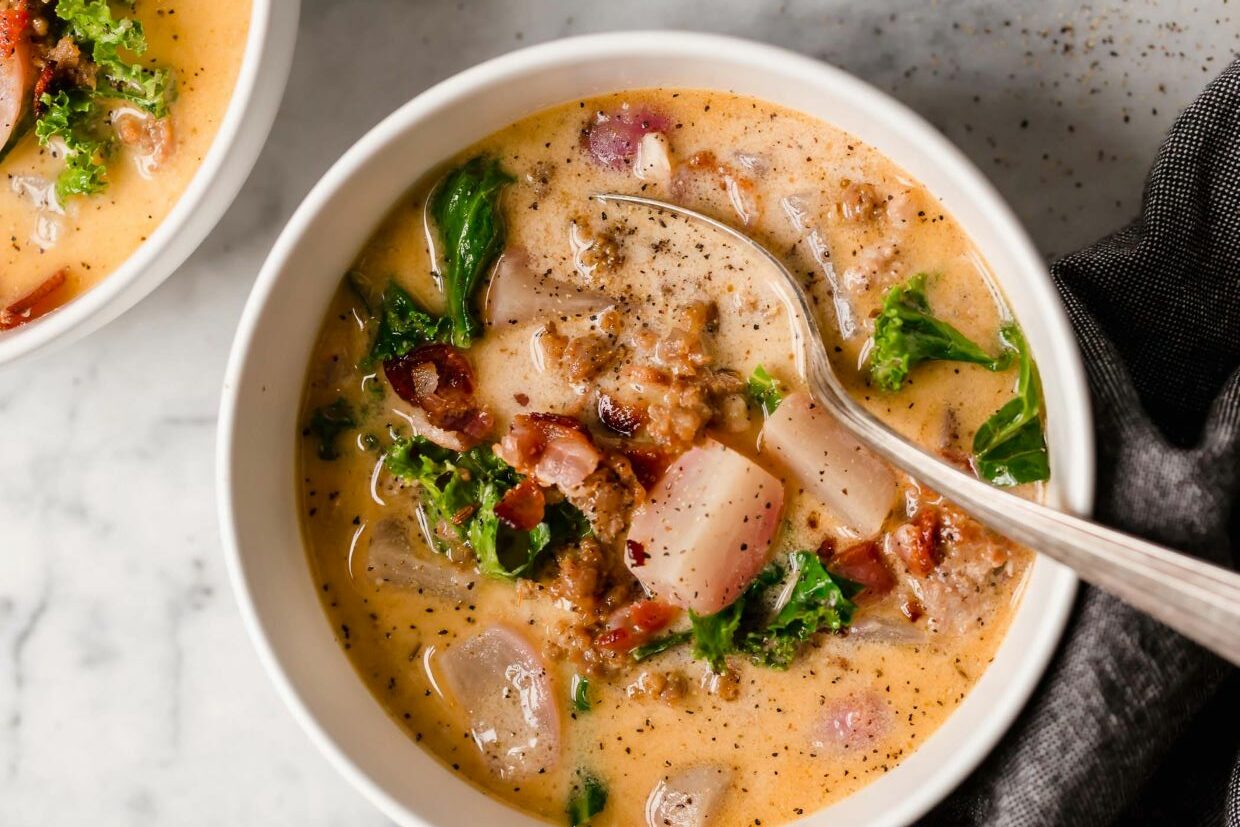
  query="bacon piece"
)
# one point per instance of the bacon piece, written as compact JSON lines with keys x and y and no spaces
{"x":522,"y":507}
{"x":861,"y":563}
{"x":621,"y":418}
{"x":919,"y":543}
{"x":16,"y":70}
{"x":635,"y":554}
{"x":612,"y":139}
{"x":42,"y":86}
{"x":33,"y":304}
{"x":567,"y":461}
{"x":440,"y":382}
{"x":13,"y":23}
{"x":635,"y":624}
{"x":554,"y":449}
{"x":648,"y":463}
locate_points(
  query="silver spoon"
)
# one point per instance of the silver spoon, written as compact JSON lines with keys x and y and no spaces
{"x":1199,"y":600}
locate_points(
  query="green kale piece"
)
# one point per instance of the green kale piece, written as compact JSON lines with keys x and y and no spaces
{"x":467,"y":213}
{"x":404,"y":325}
{"x":75,"y":119}
{"x":327,"y":423}
{"x":817,"y":601}
{"x":660,"y":645}
{"x":764,"y":390}
{"x":459,"y":492}
{"x":1010,"y":448}
{"x":581,"y":693}
{"x":906,"y":334}
{"x":91,"y":24}
{"x":587,"y":798}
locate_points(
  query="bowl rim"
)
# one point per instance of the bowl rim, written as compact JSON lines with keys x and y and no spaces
{"x":1077,"y":480}
{"x":88,"y":311}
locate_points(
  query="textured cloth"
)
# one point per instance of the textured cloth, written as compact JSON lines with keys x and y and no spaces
{"x":1132,"y":724}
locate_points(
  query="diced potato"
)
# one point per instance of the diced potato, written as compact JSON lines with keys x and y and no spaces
{"x":706,"y":528}
{"x":830,"y":464}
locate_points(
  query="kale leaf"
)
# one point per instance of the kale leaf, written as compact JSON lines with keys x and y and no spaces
{"x":75,"y":119}
{"x":817,"y":601}
{"x":581,"y":693}
{"x":327,"y":423}
{"x":403,"y":325}
{"x":459,"y":493}
{"x":466,"y":210}
{"x":714,"y":636}
{"x":587,"y":798}
{"x":906,"y":334}
{"x":764,"y":390}
{"x":1009,"y":448}
{"x":660,"y":645}
{"x":91,"y":24}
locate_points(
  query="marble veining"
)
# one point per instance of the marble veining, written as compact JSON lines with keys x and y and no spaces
{"x":129,"y":694}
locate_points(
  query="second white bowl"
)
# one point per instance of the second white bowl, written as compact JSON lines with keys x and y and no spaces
{"x":242,"y":133}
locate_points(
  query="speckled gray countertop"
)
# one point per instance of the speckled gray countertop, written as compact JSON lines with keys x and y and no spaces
{"x":129,"y":694}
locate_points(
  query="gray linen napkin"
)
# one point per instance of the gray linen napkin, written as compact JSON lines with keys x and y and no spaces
{"x":1132,"y":723}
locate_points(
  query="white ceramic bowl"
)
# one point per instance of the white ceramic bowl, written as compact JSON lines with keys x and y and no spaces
{"x":242,"y":133}
{"x":258,"y":418}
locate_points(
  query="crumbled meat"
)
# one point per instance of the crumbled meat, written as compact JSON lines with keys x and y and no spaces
{"x":69,"y":64}
{"x":960,"y":591}
{"x":680,"y":414}
{"x":595,"y":254}
{"x":539,"y":177}
{"x":582,"y":577}
{"x":668,"y":687}
{"x":859,"y":202}
{"x":726,"y":686}
{"x":150,"y":137}
{"x":733,"y":413}
{"x":575,"y":644}
{"x":873,"y":265}
{"x":723,"y":382}
{"x":585,"y":357}
{"x":608,"y":496}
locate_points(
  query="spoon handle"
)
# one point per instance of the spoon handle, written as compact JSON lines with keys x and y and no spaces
{"x":1199,"y":600}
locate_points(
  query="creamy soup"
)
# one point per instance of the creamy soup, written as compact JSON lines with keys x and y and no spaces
{"x":105,"y":115}
{"x":571,"y":510}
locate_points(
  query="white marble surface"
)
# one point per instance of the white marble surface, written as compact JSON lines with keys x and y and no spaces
{"x":129,"y":693}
